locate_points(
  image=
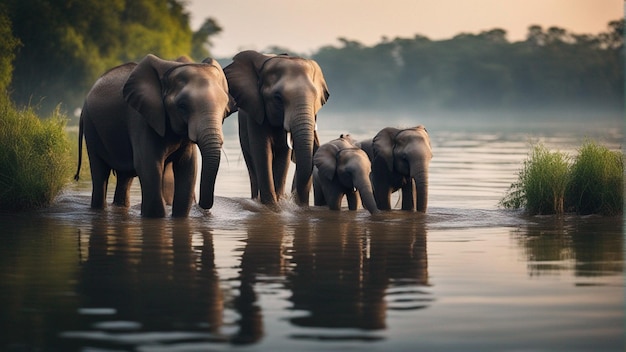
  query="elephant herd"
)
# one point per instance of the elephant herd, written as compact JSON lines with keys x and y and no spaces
{"x":144,"y":119}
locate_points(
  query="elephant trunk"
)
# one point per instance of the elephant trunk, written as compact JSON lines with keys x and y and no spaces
{"x":420,"y":176}
{"x":210,"y":144}
{"x":364,"y":186}
{"x":302,"y":131}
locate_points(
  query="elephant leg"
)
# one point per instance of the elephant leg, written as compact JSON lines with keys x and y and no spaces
{"x":244,"y":141}
{"x":334,"y":194}
{"x":184,"y":181}
{"x":261,"y":153}
{"x":122,"y":189}
{"x":381,"y":182}
{"x":149,"y":165}
{"x":408,"y":195}
{"x":353,"y":199}
{"x":100,"y":173}
{"x":382,"y":195}
{"x":254,"y":185}
{"x":318,"y":192}
{"x":152,"y":203}
{"x":280,"y":162}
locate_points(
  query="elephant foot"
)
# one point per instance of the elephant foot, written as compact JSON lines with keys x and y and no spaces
{"x":121,"y":204}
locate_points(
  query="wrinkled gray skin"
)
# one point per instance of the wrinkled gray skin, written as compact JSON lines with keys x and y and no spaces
{"x":140,"y":119}
{"x":342,"y":168}
{"x":277,"y":94}
{"x":400,"y":160}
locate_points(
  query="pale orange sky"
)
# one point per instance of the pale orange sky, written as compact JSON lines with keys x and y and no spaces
{"x":306,"y":25}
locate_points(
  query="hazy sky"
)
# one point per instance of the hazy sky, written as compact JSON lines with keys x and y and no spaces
{"x":306,"y":25}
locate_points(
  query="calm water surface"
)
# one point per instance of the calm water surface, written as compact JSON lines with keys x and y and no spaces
{"x":467,"y":276}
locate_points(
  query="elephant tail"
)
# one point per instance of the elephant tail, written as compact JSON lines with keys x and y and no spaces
{"x":80,"y":146}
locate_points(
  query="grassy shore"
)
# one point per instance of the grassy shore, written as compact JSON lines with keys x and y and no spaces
{"x":35,"y":157}
{"x":554,"y":182}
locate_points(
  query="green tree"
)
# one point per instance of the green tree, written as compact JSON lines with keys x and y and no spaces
{"x":8,"y":45}
{"x":614,"y":38}
{"x":201,"y":39}
{"x":67,"y":44}
{"x":552,"y":68}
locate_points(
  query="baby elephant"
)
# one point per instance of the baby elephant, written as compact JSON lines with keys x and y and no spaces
{"x":342,"y":168}
{"x":400,"y":160}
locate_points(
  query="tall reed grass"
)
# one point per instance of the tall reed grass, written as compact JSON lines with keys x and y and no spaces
{"x":35,"y":159}
{"x":596,"y":181}
{"x":541,"y":184}
{"x":553,"y":182}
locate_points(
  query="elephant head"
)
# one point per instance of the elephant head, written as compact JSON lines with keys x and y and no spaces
{"x":344,"y":164}
{"x":400,"y":158}
{"x":285,"y":92}
{"x":184,"y":99}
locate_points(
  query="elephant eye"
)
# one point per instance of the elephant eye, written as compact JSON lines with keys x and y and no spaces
{"x":182,"y":108}
{"x":278,"y":99}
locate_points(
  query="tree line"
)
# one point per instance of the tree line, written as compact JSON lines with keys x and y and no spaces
{"x":64,"y":45}
{"x":552,"y":68}
{"x":55,"y":49}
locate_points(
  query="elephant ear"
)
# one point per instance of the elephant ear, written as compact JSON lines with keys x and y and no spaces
{"x":325,"y":159}
{"x":232,"y":106}
{"x":368,"y":147}
{"x":143,"y":91}
{"x":212,"y":62}
{"x":383,"y":145}
{"x":422,"y":129}
{"x":243,"y":82}
{"x":320,"y":83}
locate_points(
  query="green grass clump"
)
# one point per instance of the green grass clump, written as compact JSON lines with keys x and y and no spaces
{"x":550,"y":183}
{"x":542,"y":182}
{"x":34,"y":157}
{"x":596,"y":179}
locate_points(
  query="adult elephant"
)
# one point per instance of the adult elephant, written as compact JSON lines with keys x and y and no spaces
{"x":138,"y":118}
{"x":277,"y":95}
{"x":400,"y":160}
{"x":342,"y":168}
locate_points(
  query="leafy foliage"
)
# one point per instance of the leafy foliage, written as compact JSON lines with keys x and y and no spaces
{"x":8,"y":44}
{"x":552,"y":68}
{"x":200,"y":41}
{"x":66,"y":45}
{"x":34,"y":158}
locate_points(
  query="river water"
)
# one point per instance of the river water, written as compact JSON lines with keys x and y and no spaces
{"x":466,"y":276}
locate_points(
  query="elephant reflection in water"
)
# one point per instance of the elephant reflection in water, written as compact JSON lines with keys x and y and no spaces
{"x":261,"y":256}
{"x":149,"y":273}
{"x":343,"y":270}
{"x":398,"y":254}
{"x":328,"y":279}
